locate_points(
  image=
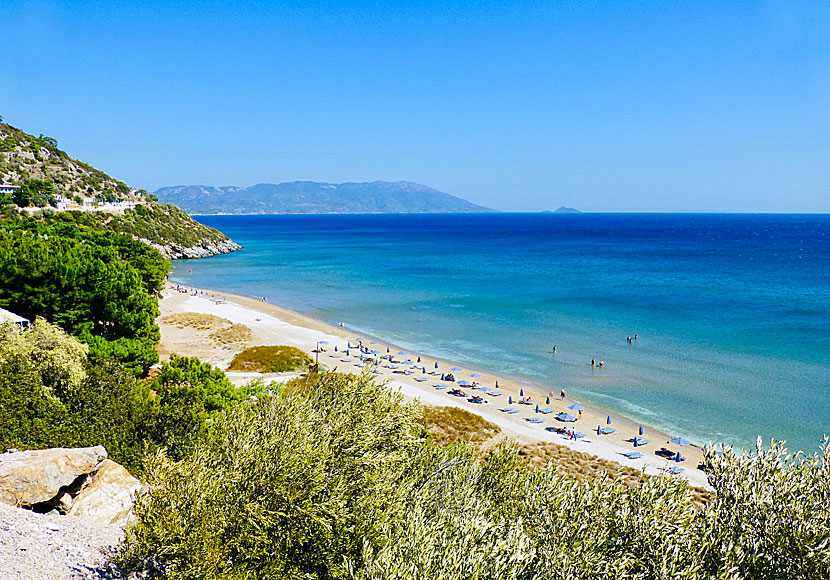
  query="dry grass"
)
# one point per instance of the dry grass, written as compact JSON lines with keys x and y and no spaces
{"x":448,"y":425}
{"x":224,"y":332}
{"x":197,"y":321}
{"x":233,"y":334}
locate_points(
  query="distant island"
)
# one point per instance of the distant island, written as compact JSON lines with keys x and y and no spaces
{"x":299,"y":197}
{"x":564,"y":209}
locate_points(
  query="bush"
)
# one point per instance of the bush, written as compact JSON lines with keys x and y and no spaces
{"x":270,"y":359}
{"x":334,"y":481}
{"x":187,"y":393}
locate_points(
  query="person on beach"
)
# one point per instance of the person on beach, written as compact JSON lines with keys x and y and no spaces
{"x":580,"y":414}
{"x":562,"y":394}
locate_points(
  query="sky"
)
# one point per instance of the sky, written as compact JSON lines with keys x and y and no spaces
{"x":518,"y":106}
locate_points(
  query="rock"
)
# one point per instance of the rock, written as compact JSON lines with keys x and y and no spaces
{"x":28,"y":478}
{"x":204,"y":249}
{"x":109,"y":495}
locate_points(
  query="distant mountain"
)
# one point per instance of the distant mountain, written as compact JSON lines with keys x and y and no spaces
{"x":564,"y":209}
{"x":315,"y":197}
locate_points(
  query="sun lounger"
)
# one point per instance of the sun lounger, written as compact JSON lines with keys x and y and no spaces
{"x":345,"y":360}
{"x":638,"y":442}
{"x":509,"y":411}
{"x":633,"y":455}
{"x":360,"y":365}
{"x":439,"y":386}
{"x":546,"y":411}
{"x":533,"y":420}
{"x":607,"y":430}
{"x":421,"y":379}
{"x":675,"y":470}
{"x":495,"y":393}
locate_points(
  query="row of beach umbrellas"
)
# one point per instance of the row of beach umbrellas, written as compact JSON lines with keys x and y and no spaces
{"x":679,"y":441}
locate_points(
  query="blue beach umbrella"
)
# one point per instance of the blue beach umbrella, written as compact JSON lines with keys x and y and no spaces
{"x":387,"y":350}
{"x":402,"y":352}
{"x":359,"y":338}
{"x":608,"y":420}
{"x":442,"y":377}
{"x":521,"y":392}
{"x":537,"y":408}
{"x":374,"y":352}
{"x":476,"y":376}
{"x":463,"y":383}
{"x":373,"y":342}
{"x":599,"y":430}
{"x":576,"y":407}
{"x":679,"y":441}
{"x":455,"y":369}
{"x":335,"y":348}
{"x":510,"y":399}
{"x":641,"y":429}
{"x":497,"y":384}
{"x":436,"y":364}
{"x":424,"y":371}
{"x":419,"y":359}
{"x":566,"y":418}
{"x":678,"y":458}
{"x":547,"y":400}
{"x":347,"y":352}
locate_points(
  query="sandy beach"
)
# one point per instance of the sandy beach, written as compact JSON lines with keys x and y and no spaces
{"x":273,"y":325}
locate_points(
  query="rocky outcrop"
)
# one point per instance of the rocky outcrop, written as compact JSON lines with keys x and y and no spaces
{"x":205,"y":249}
{"x":109,"y":495}
{"x":76,"y":482}
{"x":33,"y":478}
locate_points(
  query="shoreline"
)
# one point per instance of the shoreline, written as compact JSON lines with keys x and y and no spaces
{"x":273,"y":324}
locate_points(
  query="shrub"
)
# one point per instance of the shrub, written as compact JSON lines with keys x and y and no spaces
{"x":187,"y":393}
{"x":270,"y":359}
{"x":334,"y":481}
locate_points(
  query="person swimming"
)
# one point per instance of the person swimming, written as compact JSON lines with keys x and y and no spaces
{"x":593,"y":362}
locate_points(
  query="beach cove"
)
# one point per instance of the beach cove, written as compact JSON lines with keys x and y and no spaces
{"x":731,"y":310}
{"x":272,"y":324}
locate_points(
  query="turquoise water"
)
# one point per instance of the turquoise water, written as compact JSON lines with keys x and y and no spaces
{"x":732,"y":311}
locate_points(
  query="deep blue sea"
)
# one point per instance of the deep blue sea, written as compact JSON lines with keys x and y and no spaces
{"x":732,"y":311}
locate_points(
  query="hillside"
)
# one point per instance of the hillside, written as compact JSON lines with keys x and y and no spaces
{"x":25,"y":157}
{"x":316,"y":197}
{"x":48,"y":182}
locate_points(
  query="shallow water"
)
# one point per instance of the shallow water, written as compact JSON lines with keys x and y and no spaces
{"x":732,"y":311}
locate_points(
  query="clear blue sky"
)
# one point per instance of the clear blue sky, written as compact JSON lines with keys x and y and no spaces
{"x":616,"y":106}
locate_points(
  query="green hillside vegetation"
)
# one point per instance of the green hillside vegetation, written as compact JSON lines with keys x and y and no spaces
{"x":99,"y":286}
{"x":54,"y":396}
{"x":160,"y":223}
{"x":24,"y":157}
{"x":41,"y":172}
{"x":339,"y":481}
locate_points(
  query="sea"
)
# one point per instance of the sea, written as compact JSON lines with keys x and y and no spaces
{"x":731,"y":312}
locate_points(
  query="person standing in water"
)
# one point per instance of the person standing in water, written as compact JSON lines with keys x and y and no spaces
{"x":593,"y":362}
{"x":554,"y":349}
